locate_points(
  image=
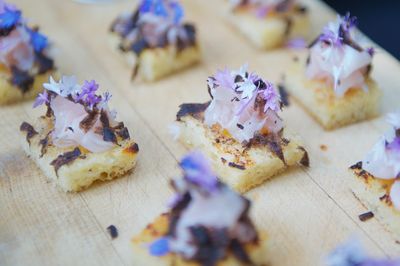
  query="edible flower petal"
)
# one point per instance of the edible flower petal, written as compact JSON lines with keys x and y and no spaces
{"x":243,"y":104}
{"x":159,"y":247}
{"x":338,"y":58}
{"x":197,"y":170}
{"x":38,"y":40}
{"x":9,"y":18}
{"x":41,"y":99}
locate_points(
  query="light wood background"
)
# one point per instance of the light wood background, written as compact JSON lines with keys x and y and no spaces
{"x":306,"y":212}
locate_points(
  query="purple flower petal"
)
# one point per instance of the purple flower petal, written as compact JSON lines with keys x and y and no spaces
{"x":197,"y":170}
{"x":41,"y":99}
{"x":160,"y":247}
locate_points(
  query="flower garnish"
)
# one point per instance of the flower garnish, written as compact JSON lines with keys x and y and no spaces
{"x":42,"y":98}
{"x":162,"y":8}
{"x":383,"y":161}
{"x":9,"y":17}
{"x":81,"y":117}
{"x":38,"y":40}
{"x":335,"y":56}
{"x":88,"y":94}
{"x":159,"y":247}
{"x":197,"y":171}
{"x":243,"y":104}
{"x":220,"y":213}
{"x":352,"y":254}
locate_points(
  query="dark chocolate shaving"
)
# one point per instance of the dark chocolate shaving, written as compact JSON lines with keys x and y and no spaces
{"x":176,"y":212}
{"x":113,"y":231}
{"x":357,"y":166}
{"x":65,"y":159}
{"x":123,"y":133}
{"x":21,"y":79}
{"x":305,"y":160}
{"x":109,"y":135}
{"x":212,"y":244}
{"x":366,"y":216}
{"x":30,"y":131}
{"x":134,"y":148}
{"x":139,"y":46}
{"x":44,"y":143}
{"x":88,"y":122}
{"x":235,"y":165}
{"x":45,"y":63}
{"x":239,"y":252}
{"x":192,"y":109}
{"x":272,"y":141}
{"x":284,"y":95}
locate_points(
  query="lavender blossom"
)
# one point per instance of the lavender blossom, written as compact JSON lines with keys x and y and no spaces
{"x":197,"y":170}
{"x":41,"y":99}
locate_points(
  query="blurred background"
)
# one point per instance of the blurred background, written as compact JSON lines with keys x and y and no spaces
{"x":378,"y":19}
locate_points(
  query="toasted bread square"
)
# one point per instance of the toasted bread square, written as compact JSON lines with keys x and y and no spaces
{"x":157,"y":63}
{"x":374,"y":195}
{"x":319,"y":100}
{"x":82,"y":171}
{"x":240,"y":167}
{"x":9,"y":93}
{"x":159,"y":228}
{"x":272,"y":31}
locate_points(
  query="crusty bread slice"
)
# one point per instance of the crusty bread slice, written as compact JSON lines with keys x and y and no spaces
{"x":9,"y":93}
{"x":272,"y":31}
{"x":374,"y":195}
{"x":331,"y":111}
{"x":240,"y":167}
{"x":157,"y":63}
{"x":82,"y":171}
{"x":157,"y":229}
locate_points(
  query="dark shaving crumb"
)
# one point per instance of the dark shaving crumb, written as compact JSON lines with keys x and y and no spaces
{"x":88,"y":122}
{"x":284,"y":95}
{"x":366,"y":216}
{"x":239,"y":126}
{"x":30,"y":131}
{"x":65,"y":158}
{"x":323,"y":147}
{"x":285,"y":141}
{"x":134,"y":148}
{"x":238,"y":166}
{"x":192,"y":109}
{"x":123,"y":133}
{"x":239,"y":252}
{"x":357,"y":166}
{"x":397,"y":242}
{"x":21,"y":79}
{"x":295,"y":58}
{"x":289,"y":26}
{"x":109,"y":135}
{"x":223,"y":160}
{"x":113,"y":231}
{"x":305,"y":161}
{"x":44,"y":143}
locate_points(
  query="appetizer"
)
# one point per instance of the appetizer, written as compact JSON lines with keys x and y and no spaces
{"x":380,"y":170}
{"x":335,"y":86}
{"x":199,"y":229}
{"x":269,"y":23}
{"x":25,"y":61}
{"x":352,"y":254}
{"x":240,"y":130}
{"x":154,"y":39}
{"x":78,"y":140}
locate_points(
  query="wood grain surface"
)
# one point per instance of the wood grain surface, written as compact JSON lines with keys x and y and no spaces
{"x":306,"y":211}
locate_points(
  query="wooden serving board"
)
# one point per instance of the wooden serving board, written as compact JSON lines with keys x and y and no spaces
{"x":307,"y":212}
